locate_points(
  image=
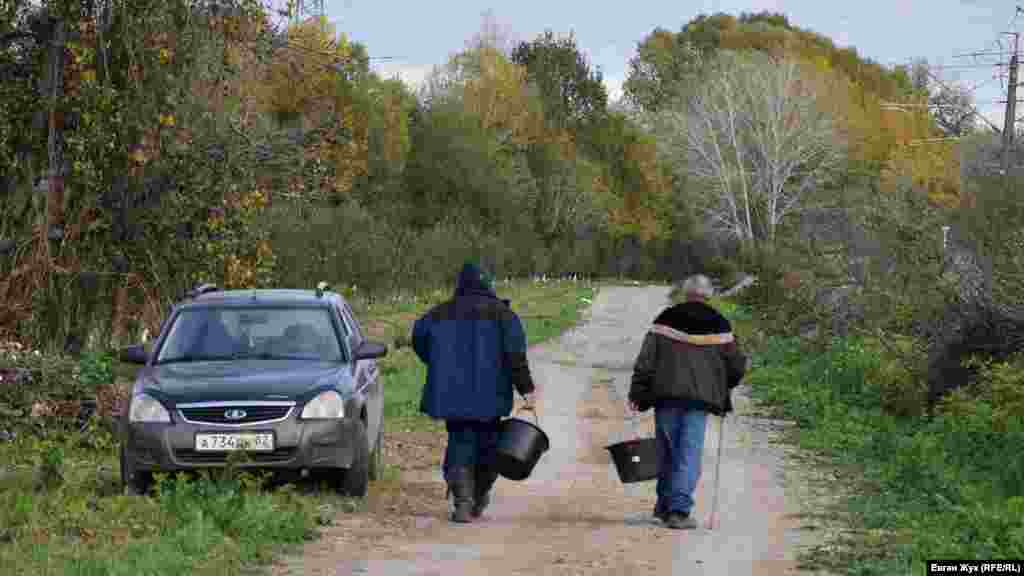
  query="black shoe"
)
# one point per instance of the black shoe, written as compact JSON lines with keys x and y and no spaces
{"x":461,"y":482}
{"x":660,"y":514}
{"x":680,"y":521}
{"x":485,"y":479}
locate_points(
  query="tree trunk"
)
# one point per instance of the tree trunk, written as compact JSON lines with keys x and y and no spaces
{"x":119,"y":295}
{"x":55,"y":144}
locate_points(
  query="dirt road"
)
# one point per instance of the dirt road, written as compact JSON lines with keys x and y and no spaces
{"x":573,"y":516}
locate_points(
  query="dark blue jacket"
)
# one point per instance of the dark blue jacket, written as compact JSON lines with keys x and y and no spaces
{"x":474,"y":347}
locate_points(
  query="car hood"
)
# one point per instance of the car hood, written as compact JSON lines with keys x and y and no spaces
{"x":244,"y":380}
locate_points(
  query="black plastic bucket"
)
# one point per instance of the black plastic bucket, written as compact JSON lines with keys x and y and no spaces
{"x":635,"y":460}
{"x":520,"y":446}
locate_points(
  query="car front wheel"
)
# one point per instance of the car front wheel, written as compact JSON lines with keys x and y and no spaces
{"x":134,"y":482}
{"x":355,"y":480}
{"x":377,"y":455}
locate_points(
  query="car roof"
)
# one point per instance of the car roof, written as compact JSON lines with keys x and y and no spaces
{"x":277,"y":296}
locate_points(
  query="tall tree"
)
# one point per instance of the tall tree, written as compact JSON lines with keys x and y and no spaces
{"x":573,"y":93}
{"x":664,"y":63}
{"x":314,"y":81}
{"x":951,"y":104}
{"x":756,"y":140}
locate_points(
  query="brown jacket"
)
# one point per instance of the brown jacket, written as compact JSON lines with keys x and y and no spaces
{"x":690,"y":354}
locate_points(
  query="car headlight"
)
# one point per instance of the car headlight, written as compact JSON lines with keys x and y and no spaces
{"x":145,"y":408}
{"x":327,"y":404}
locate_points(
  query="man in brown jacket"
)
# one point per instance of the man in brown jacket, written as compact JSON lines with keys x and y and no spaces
{"x":688,"y":365}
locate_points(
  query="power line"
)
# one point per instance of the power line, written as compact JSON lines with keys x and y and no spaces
{"x":314,"y":51}
{"x":964,"y":66}
{"x":998,"y":41}
{"x":980,"y":53}
{"x":912,"y":61}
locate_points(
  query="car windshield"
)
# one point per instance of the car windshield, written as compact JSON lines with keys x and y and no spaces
{"x":230,"y":333}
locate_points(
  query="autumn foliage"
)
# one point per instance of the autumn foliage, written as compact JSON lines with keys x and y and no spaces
{"x":203,"y":142}
{"x":891,"y":134}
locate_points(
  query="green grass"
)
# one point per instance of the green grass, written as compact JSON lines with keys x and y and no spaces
{"x":62,"y":513}
{"x":914,"y":489}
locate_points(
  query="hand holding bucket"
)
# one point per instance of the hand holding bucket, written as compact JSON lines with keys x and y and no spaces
{"x":520,"y":445}
{"x":636,"y":459}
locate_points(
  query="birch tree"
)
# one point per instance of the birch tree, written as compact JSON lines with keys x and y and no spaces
{"x":755,"y":141}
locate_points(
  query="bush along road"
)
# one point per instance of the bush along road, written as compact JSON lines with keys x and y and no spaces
{"x":902,"y":488}
{"x":573,"y":515}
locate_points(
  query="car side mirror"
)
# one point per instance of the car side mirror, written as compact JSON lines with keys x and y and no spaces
{"x":135,"y":354}
{"x":369,"y":350}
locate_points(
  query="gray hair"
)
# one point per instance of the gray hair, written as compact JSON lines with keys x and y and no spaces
{"x":698,"y":285}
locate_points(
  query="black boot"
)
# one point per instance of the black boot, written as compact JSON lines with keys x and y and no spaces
{"x":461,"y":481}
{"x":485,"y":478}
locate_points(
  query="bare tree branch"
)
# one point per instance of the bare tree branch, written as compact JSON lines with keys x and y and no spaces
{"x":757,"y":141}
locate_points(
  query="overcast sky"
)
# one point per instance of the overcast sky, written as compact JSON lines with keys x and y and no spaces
{"x":419,"y":35}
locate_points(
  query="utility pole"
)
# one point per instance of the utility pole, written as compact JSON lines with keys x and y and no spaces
{"x":1011,"y":106}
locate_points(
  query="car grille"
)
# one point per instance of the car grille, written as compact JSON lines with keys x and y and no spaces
{"x":253,"y":414}
{"x":192,"y":457}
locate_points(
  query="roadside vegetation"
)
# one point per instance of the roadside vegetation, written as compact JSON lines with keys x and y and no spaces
{"x":896,"y":489}
{"x":907,"y":474}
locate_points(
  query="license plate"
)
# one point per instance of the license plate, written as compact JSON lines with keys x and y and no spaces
{"x":249,"y":441}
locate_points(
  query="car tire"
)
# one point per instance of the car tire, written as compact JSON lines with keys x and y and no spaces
{"x":134,"y":482}
{"x":376,"y":467}
{"x":354,"y":481}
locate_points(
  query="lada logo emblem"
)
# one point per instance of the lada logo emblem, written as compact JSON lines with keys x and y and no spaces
{"x":234,"y":414}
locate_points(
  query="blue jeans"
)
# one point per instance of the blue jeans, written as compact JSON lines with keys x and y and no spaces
{"x":470,"y":443}
{"x":679,"y":444}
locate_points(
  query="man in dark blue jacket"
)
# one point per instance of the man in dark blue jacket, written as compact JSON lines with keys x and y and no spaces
{"x":474,"y":347}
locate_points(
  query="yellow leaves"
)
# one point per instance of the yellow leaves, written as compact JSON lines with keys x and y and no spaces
{"x":884,"y":131}
{"x":396,"y":141}
{"x":236,"y":249}
{"x":165,"y":56}
{"x":255,"y":200}
{"x":138,"y":156}
{"x":931,"y":166}
{"x":166,"y":120}
{"x":821,"y":63}
{"x":496,"y":92}
{"x":306,"y":72}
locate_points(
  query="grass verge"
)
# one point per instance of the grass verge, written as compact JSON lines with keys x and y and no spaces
{"x":912,"y":488}
{"x":61,"y":510}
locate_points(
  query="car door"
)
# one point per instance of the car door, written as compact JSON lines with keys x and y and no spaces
{"x":366,"y":377}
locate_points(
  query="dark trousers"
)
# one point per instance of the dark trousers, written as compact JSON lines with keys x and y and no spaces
{"x":471,"y":443}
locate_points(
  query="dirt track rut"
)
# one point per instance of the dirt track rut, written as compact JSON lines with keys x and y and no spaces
{"x":573,"y":516}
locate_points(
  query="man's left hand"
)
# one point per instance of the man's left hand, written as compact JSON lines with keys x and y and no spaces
{"x":528,"y":402}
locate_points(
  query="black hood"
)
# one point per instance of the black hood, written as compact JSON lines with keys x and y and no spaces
{"x":471,"y":281}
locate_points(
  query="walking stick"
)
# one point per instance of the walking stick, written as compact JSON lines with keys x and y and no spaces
{"x":713,"y":520}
